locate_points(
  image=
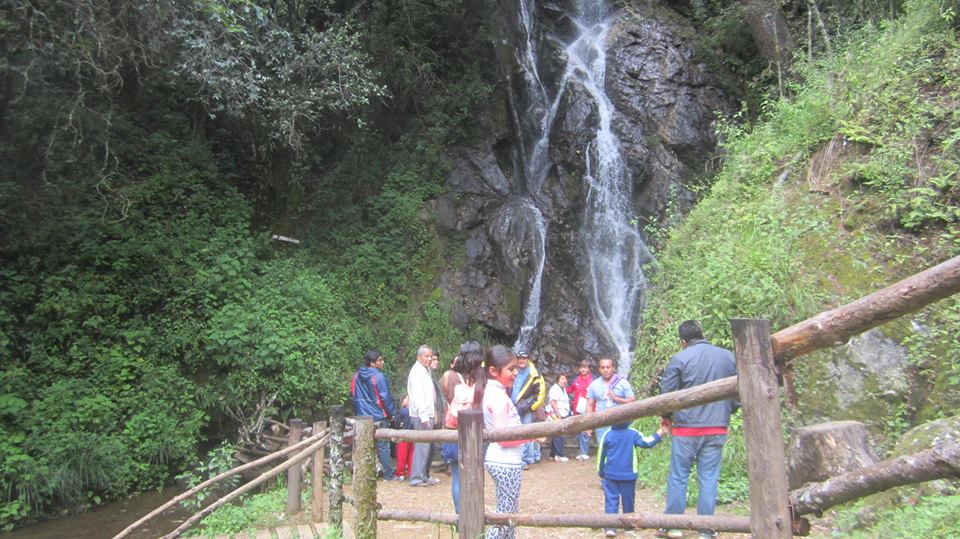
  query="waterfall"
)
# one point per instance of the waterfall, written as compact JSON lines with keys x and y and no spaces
{"x":612,"y":245}
{"x":535,"y":112}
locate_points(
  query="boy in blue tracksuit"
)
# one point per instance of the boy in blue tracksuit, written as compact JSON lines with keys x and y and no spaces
{"x":617,"y":466}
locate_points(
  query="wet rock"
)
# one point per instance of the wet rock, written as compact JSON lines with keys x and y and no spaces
{"x":869,"y":378}
{"x":476,"y":171}
{"x":665,"y":100}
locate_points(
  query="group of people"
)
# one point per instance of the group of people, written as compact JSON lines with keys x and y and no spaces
{"x":510,"y":391}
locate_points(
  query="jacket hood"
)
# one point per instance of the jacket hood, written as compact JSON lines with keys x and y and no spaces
{"x":366,"y":373}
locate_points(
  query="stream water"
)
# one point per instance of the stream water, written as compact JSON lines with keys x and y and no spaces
{"x":107,"y":520}
{"x":610,"y":241}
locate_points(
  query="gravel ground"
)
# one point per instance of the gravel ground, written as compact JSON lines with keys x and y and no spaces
{"x":548,"y":487}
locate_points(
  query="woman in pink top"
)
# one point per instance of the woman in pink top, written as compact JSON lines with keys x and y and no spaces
{"x":503,"y":460}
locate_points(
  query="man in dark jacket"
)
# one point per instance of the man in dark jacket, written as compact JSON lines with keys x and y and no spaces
{"x":699,"y":432}
{"x":371,"y":397}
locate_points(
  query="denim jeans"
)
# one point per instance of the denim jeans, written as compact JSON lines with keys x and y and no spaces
{"x":599,"y":432}
{"x":529,"y":451}
{"x":556,"y":446}
{"x":583,"y":439}
{"x":707,"y":453}
{"x":450,"y":453}
{"x":455,"y":484}
{"x":383,"y":451}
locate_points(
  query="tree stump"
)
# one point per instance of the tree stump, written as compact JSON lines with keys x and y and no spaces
{"x":818,"y":452}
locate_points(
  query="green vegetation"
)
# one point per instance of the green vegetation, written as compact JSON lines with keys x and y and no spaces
{"x":255,"y":512}
{"x":146,"y":160}
{"x":764,"y":242}
{"x":935,"y":516}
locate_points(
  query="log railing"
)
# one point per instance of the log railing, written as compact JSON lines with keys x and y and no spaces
{"x":760,"y":355}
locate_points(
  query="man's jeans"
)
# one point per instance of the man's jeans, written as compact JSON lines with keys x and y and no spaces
{"x":583,"y":439}
{"x":556,"y":446}
{"x":422,"y":452}
{"x":599,"y":432}
{"x":455,"y":484}
{"x":707,"y":453}
{"x":383,"y":451}
{"x":529,"y":451}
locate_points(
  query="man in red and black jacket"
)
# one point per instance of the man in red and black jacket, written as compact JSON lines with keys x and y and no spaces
{"x":370,"y":393}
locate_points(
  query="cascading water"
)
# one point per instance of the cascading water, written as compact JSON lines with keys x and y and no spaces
{"x":533,"y":126}
{"x":531,"y":311}
{"x":612,"y":244}
{"x":613,"y":247}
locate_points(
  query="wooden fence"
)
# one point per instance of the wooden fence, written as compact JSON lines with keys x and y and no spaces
{"x":762,"y":359}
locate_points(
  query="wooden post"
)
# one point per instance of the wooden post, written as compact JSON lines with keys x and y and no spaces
{"x":365,"y":478}
{"x":766,"y":457}
{"x":316,"y":505}
{"x":337,"y":425}
{"x":470,"y":435}
{"x":294,"y":474}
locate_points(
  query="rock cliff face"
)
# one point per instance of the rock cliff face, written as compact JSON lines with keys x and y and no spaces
{"x":664,"y":100}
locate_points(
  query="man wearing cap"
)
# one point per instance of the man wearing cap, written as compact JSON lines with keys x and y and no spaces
{"x":529,"y":393}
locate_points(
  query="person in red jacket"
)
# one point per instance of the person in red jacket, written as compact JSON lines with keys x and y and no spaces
{"x":578,"y":403}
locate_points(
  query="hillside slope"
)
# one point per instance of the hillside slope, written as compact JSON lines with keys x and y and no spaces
{"x":848,"y":184}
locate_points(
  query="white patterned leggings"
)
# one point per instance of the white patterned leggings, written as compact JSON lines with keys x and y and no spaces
{"x":506,"y":482}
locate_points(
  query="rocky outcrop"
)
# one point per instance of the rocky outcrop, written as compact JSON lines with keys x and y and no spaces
{"x":870,"y":377}
{"x":819,"y":452}
{"x":665,"y":100}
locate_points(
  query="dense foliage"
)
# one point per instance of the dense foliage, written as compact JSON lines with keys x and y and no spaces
{"x":149,"y":152}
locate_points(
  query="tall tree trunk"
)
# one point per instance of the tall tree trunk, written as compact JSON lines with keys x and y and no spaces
{"x":769,"y":27}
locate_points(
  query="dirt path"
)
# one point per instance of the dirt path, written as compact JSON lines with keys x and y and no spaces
{"x":548,"y":488}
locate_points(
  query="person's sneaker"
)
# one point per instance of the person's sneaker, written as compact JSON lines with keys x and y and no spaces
{"x":560,"y":459}
{"x":400,"y":478}
{"x":708,"y":535}
{"x":610,"y":533}
{"x":431,"y":481}
{"x":669,"y":534}
{"x":583,"y":457}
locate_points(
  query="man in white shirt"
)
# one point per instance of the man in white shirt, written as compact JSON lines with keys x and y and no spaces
{"x":559,"y":408}
{"x":422,"y":406}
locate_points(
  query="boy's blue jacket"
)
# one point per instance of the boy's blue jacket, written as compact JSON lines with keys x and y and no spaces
{"x":619,"y":448}
{"x":371,"y":394}
{"x":403,"y":419}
